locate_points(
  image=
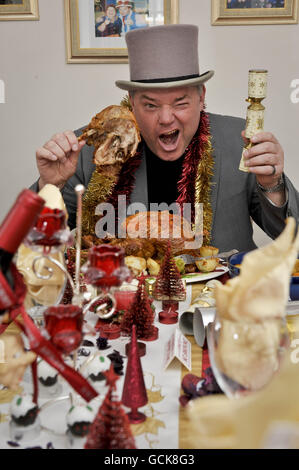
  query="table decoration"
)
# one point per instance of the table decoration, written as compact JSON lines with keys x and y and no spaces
{"x":41,"y":258}
{"x":110,"y":428}
{"x":25,"y":422}
{"x":105,"y":270}
{"x":141,"y":315}
{"x":169,"y":288}
{"x":64,"y":325}
{"x":134,"y":392}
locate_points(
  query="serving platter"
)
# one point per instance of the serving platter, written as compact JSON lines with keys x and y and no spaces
{"x":200,"y":277}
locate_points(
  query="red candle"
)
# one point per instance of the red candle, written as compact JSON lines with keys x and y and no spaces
{"x":110,"y":331}
{"x":124,"y":299}
{"x":64,"y":324}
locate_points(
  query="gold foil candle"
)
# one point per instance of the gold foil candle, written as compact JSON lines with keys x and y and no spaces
{"x":257,"y":91}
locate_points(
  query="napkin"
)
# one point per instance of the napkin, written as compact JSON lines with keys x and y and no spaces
{"x":40,"y":291}
{"x":249,"y":307}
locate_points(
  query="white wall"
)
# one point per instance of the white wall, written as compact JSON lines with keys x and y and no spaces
{"x":45,"y":95}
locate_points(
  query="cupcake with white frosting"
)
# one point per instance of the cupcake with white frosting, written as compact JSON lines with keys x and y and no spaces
{"x":94,"y":367}
{"x":48,"y":380}
{"x":78,"y":419}
{"x":24,"y":422}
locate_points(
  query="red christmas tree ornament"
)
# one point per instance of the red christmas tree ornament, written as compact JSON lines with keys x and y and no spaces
{"x":169,"y":288}
{"x":110,"y":428}
{"x":134,"y":392}
{"x":141,"y":315}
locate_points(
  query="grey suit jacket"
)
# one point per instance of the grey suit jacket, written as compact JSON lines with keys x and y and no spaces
{"x":235,"y":197}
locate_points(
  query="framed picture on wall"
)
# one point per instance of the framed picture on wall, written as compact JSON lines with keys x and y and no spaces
{"x":247,"y":12}
{"x":19,"y":10}
{"x":95,"y":29}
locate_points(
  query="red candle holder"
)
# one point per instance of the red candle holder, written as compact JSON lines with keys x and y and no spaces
{"x":105,"y":266}
{"x":124,"y":299}
{"x":169,"y":314}
{"x":110,"y":331}
{"x":64,"y":325}
{"x":50,"y":230}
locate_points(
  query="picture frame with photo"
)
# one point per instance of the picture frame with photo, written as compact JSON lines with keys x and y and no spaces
{"x":14,"y":10}
{"x":95,"y":29}
{"x":253,"y":12}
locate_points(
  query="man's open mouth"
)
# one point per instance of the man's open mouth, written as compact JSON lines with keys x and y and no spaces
{"x":169,"y":138}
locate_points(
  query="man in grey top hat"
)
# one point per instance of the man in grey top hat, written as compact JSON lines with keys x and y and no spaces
{"x":180,"y":140}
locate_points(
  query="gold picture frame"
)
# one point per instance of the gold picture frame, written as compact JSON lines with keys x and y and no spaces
{"x":82,"y":45}
{"x":227,"y":12}
{"x":19,"y":10}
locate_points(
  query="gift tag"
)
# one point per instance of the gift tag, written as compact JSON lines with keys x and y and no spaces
{"x":177,"y":347}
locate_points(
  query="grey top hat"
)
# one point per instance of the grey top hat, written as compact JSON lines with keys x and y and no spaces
{"x":163,"y":57}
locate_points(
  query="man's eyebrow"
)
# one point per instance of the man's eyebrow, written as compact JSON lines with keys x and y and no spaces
{"x":145,"y":97}
{"x":180,"y":98}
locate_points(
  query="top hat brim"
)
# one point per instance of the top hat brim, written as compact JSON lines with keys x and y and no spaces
{"x":173,"y":83}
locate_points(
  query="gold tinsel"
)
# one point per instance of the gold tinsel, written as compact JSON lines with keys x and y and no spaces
{"x":203,"y":188}
{"x":99,"y":189}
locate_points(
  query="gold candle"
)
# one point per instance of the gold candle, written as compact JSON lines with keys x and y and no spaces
{"x":257,"y":91}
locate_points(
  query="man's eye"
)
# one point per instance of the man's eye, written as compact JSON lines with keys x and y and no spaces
{"x":150,"y":106}
{"x":180,"y":105}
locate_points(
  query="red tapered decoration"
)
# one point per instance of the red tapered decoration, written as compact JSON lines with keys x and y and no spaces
{"x":110,"y":428}
{"x":169,"y":288}
{"x":140,"y":314}
{"x":134,"y":392}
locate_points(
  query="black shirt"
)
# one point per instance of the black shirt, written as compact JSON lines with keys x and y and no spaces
{"x":162,"y":178}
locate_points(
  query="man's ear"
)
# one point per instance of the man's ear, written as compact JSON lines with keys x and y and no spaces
{"x":202,"y":97}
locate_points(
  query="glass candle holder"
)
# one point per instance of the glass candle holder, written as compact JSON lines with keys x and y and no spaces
{"x":105,"y":266}
{"x":64,"y":325}
{"x":50,"y":230}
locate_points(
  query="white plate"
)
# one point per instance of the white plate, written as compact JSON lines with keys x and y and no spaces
{"x":199,"y":277}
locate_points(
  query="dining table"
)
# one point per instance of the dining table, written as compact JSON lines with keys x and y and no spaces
{"x":167,"y":422}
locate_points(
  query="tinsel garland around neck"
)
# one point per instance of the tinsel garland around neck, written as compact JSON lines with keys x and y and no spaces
{"x":194,"y":186}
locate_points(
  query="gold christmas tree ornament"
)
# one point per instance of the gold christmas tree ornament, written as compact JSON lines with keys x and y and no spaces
{"x":257,"y":91}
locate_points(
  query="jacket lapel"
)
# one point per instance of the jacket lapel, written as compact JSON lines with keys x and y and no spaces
{"x":217,"y":167}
